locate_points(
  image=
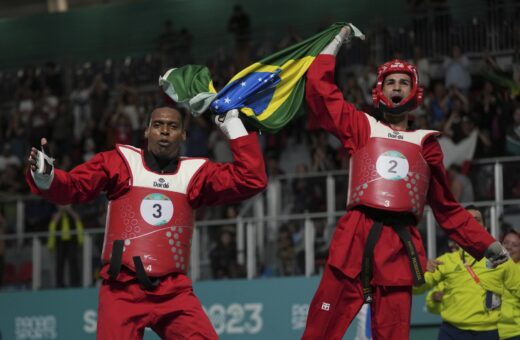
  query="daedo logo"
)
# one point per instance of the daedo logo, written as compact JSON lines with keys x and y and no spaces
{"x":35,"y":327}
{"x":395,"y":135}
{"x":161,"y":183}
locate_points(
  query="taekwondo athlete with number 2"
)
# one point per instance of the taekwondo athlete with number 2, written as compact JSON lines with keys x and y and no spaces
{"x":376,"y":253}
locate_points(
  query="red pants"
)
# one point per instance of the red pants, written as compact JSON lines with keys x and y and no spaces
{"x":338,"y":300}
{"x":172,"y":311}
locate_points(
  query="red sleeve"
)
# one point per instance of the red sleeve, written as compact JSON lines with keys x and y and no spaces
{"x":106,"y":171}
{"x":451,"y":216}
{"x":224,"y":183}
{"x":329,"y":109}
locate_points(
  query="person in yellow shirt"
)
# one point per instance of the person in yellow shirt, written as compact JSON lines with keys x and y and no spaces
{"x":459,"y":297}
{"x":66,"y":245}
{"x":505,"y":281}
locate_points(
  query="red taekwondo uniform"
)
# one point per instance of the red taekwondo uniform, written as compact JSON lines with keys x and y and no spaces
{"x":376,"y":253}
{"x":148,"y":231}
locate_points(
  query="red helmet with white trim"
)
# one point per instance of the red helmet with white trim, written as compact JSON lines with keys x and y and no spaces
{"x":406,"y":104}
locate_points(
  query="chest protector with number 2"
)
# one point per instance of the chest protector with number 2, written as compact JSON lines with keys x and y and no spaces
{"x":389,"y":172}
{"x":153,"y":218}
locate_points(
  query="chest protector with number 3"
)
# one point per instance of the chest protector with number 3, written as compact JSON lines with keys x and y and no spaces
{"x":389,"y":172}
{"x":153,"y":218}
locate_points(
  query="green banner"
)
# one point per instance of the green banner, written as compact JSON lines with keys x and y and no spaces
{"x":268,"y":309}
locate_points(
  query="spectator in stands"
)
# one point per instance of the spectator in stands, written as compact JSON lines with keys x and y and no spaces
{"x":285,"y":253}
{"x":129,"y":109}
{"x":3,"y":232}
{"x":81,"y":110}
{"x":456,"y":70}
{"x":99,"y":98}
{"x":219,"y":147}
{"x":505,"y":281}
{"x":9,"y":180}
{"x":67,"y":246}
{"x":459,"y":297}
{"x":487,"y":105}
{"x":440,"y":105}
{"x":239,"y":25}
{"x":50,"y":104}
{"x":39,"y":122}
{"x":53,"y":78}
{"x":184,"y":42}
{"x":8,"y":159}
{"x":273,"y":165}
{"x":62,"y":134}
{"x":223,"y":256}
{"x":458,"y":109}
{"x":152,"y":190}
{"x":461,"y":185}
{"x":291,"y":37}
{"x":511,"y":242}
{"x":423,"y":66}
{"x":197,"y":141}
{"x":460,"y":128}
{"x":301,"y":190}
{"x":353,"y":91}
{"x":513,"y":135}
{"x":367,"y":79}
{"x":120,"y":129}
{"x":166,"y":45}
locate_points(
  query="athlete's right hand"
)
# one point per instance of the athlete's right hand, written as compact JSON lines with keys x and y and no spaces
{"x":496,"y":253}
{"x":42,"y":166}
{"x":230,"y":124}
{"x":345,"y":34}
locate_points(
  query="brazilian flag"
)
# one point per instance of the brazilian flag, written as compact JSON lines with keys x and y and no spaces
{"x":269,"y":93}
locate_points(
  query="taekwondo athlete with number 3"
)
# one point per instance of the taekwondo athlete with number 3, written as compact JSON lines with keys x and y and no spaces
{"x":152,"y":197}
{"x":376,"y":253}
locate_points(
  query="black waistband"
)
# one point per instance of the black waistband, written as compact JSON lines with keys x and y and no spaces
{"x":367,"y":265}
{"x":389,"y":218}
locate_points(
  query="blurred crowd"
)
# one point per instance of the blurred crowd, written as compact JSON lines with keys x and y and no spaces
{"x":86,"y":108}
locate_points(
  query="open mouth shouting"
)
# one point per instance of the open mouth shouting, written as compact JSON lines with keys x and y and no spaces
{"x":396,"y":98}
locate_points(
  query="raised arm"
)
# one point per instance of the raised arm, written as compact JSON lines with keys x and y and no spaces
{"x":223,"y":183}
{"x":328,"y":108}
{"x":82,"y":184}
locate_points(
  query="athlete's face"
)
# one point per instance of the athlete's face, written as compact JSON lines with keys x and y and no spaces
{"x":397,"y":86}
{"x":165,"y":133}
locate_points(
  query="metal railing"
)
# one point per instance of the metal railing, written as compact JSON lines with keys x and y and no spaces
{"x":258,"y":223}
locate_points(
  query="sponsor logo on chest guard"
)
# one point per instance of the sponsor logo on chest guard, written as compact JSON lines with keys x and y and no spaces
{"x":395,"y":135}
{"x":161,"y":183}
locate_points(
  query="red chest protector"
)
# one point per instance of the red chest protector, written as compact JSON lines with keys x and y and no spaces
{"x":153,"y":218}
{"x":389,"y":172}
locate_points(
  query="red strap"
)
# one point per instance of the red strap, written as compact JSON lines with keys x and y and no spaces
{"x":472,"y":273}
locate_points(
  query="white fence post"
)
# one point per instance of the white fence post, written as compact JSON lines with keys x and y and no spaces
{"x":309,"y":246}
{"x":36,"y":263}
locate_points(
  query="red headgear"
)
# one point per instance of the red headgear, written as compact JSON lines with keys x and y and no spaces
{"x":407,"y":104}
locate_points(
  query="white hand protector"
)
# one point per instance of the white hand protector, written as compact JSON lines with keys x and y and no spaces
{"x":230,"y":124}
{"x":44,"y":173}
{"x":344,"y":35}
{"x":496,"y":253}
